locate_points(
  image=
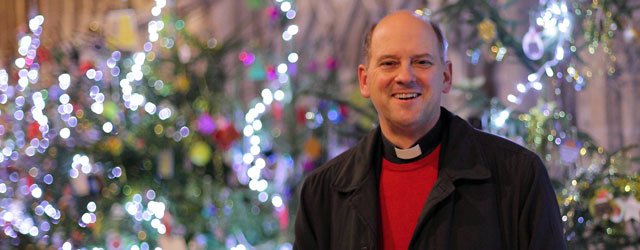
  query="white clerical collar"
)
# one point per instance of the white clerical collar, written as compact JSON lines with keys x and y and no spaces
{"x":409,"y":153}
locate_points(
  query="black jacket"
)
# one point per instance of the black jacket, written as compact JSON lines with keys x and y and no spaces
{"x":490,"y":194}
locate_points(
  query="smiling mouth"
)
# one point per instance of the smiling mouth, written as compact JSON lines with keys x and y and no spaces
{"x":406,"y":96}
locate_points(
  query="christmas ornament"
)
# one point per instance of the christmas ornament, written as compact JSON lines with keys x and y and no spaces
{"x":569,"y":151}
{"x":184,"y":53}
{"x":629,"y":33}
{"x":110,"y":111}
{"x":257,"y":71}
{"x":331,"y":63}
{"x":120,"y":29}
{"x":165,"y":163}
{"x":283,"y":217}
{"x":226,"y":135}
{"x":80,"y":184}
{"x":532,"y":44}
{"x":273,"y":13}
{"x":114,"y":145}
{"x":85,"y":66}
{"x":33,"y":131}
{"x":182,"y":83}
{"x":200,"y":153}
{"x":247,"y":58}
{"x":313,"y":148}
{"x":301,"y":112}
{"x":630,"y":208}
{"x":487,"y":30}
{"x":114,"y":241}
{"x":276,"y":111}
{"x":205,"y":124}
{"x":255,"y":4}
{"x":271,"y":73}
{"x":602,"y":206}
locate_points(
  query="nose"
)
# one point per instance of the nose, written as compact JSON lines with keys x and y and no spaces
{"x":405,"y":74}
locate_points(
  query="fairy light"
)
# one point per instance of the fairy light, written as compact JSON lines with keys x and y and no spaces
{"x":127,"y":76}
{"x":254,"y":136}
{"x":28,"y":73}
{"x":557,"y":25}
{"x":13,"y":213}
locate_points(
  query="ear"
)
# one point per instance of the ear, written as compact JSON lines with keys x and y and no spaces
{"x":447,"y":77}
{"x":362,"y":80}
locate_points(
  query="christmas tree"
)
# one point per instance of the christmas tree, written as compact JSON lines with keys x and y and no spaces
{"x":107,"y":146}
{"x":597,"y":190}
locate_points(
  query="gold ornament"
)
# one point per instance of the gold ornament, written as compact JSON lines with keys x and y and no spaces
{"x":487,"y":30}
{"x":182,"y":83}
{"x":313,"y":148}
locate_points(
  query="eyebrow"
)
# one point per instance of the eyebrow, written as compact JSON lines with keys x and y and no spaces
{"x":383,"y":57}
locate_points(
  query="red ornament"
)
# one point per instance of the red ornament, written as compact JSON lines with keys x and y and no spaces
{"x":85,"y":66}
{"x":283,"y":217}
{"x":225,"y":135}
{"x":344,"y":110}
{"x":272,"y":13}
{"x":33,"y":131}
{"x":331,"y":64}
{"x":167,"y":221}
{"x":29,"y":180}
{"x":271,"y":73}
{"x":43,"y":54}
{"x":301,"y":115}
{"x":276,"y":110}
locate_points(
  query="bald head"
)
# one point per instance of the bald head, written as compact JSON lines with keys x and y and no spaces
{"x":405,"y":16}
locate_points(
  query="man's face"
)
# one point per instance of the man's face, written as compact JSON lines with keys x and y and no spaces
{"x":405,"y":76}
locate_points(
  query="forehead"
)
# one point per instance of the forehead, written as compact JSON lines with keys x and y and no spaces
{"x":403,"y":31}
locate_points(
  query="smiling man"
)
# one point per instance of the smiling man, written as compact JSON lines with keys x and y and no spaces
{"x":424,"y":179}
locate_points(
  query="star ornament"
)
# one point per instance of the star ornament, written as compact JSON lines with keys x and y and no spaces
{"x":630,"y":208}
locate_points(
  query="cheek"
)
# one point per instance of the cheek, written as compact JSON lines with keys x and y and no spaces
{"x":381,"y":81}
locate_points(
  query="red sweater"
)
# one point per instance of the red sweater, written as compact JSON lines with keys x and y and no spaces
{"x":404,"y":189}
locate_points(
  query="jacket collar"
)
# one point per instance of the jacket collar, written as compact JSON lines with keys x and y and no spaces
{"x":358,"y":179}
{"x":366,"y":157}
{"x":461,"y":157}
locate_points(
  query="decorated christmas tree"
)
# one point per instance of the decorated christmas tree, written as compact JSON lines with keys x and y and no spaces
{"x":597,"y":190}
{"x":107,"y":146}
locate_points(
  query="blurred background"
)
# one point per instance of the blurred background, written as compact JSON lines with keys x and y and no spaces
{"x":165,"y":124}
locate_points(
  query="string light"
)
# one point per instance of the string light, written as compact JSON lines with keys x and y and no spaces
{"x":556,"y":24}
{"x":20,"y":96}
{"x":253,"y":159}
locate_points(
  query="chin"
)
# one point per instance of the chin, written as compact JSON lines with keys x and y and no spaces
{"x":406,"y":122}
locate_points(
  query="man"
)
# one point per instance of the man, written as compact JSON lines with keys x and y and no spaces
{"x":424,"y":179}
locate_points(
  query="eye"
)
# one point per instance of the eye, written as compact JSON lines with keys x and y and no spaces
{"x":388,"y":63}
{"x":424,"y":62}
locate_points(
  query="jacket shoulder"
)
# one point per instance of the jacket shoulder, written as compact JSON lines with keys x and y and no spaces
{"x":508,"y":160}
{"x":492,"y":143}
{"x":327,"y":172}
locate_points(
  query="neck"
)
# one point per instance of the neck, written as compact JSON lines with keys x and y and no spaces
{"x":422,"y":147}
{"x":403,"y":137}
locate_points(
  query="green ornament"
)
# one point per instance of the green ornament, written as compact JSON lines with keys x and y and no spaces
{"x":110,"y":111}
{"x":255,"y":4}
{"x":257,"y":71}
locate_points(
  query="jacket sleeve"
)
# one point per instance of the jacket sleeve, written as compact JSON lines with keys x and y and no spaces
{"x":540,"y":223}
{"x":305,"y":235}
